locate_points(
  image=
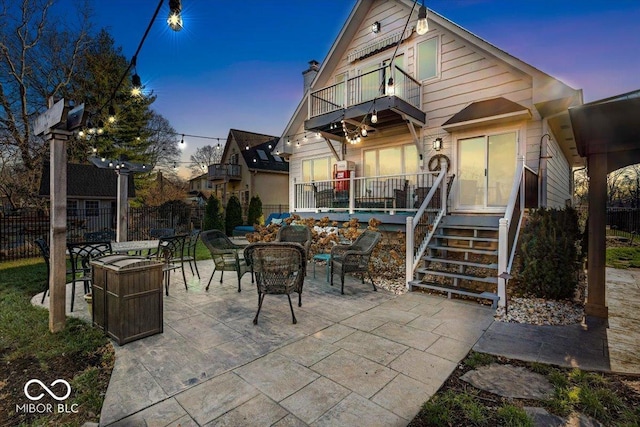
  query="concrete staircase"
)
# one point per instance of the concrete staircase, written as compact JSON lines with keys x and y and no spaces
{"x":462,"y":258}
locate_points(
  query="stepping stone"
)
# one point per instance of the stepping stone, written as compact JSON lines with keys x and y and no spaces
{"x":542,"y":418}
{"x":510,"y":381}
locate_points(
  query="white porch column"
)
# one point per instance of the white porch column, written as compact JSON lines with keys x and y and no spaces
{"x":409,"y":252}
{"x":503,"y":256}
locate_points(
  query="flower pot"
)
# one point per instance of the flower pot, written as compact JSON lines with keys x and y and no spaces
{"x":89,"y":299}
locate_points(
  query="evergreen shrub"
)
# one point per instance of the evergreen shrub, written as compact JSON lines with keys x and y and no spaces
{"x":255,"y":210}
{"x":550,"y":259}
{"x":233,"y":215}
{"x":213,"y":218}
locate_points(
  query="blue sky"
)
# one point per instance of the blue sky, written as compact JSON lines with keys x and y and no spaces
{"x":238,"y":64}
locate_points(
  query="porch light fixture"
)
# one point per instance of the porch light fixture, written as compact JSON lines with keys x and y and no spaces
{"x":374,"y":116}
{"x":422,"y":26}
{"x":375,"y":27}
{"x":437,"y":144}
{"x":175,"y":16}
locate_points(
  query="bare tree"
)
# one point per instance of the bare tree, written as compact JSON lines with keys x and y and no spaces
{"x":615,"y":184}
{"x":38,"y":57}
{"x":205,"y":156}
{"x":163,"y":142}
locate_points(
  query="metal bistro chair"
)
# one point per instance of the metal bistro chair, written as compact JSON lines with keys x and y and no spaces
{"x":295,"y":234}
{"x":355,"y":257}
{"x":189,"y":254}
{"x":44,"y":251}
{"x":80,"y":255}
{"x":279,"y":268}
{"x":224,"y":254}
{"x":100,"y":236}
{"x":170,"y":251}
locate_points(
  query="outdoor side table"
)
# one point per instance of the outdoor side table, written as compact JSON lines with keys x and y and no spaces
{"x":321,"y":257}
{"x":127,"y":297}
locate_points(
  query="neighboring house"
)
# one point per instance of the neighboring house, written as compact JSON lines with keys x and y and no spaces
{"x":250,"y":167}
{"x":200,"y":188}
{"x":387,"y":106}
{"x":92,"y":195}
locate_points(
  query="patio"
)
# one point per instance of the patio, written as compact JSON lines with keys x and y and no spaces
{"x":363,"y":358}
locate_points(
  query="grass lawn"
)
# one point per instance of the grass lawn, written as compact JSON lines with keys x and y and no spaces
{"x":623,"y":257}
{"x":611,"y":399}
{"x":79,"y":354}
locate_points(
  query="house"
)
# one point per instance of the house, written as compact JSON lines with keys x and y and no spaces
{"x":92,"y":196}
{"x":200,"y":188}
{"x":441,"y":133}
{"x":250,"y":167}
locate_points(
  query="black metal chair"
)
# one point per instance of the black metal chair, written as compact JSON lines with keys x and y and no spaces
{"x":279,"y":268}
{"x":100,"y":236}
{"x":225,"y":255}
{"x":80,"y":255}
{"x":354,"y":258}
{"x":170,"y":252}
{"x":44,"y":251}
{"x":189,"y":254}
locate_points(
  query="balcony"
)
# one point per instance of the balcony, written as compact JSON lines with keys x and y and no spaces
{"x":356,"y":98}
{"x":224,"y":172}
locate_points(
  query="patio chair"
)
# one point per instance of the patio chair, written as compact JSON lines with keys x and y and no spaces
{"x":100,"y":236}
{"x":279,"y":268}
{"x":295,"y":234}
{"x":189,"y":254}
{"x":170,"y":252}
{"x":355,"y":257}
{"x":224,"y":254}
{"x":80,"y":255}
{"x":44,"y":251}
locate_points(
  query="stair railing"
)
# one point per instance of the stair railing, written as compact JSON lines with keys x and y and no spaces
{"x":421,"y":227}
{"x":508,"y":230}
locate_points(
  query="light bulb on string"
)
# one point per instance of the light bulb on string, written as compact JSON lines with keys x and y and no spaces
{"x":374,"y":117}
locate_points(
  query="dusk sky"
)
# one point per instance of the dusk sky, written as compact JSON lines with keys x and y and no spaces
{"x":238,"y":64}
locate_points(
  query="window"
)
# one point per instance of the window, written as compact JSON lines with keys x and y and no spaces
{"x":401,"y":159}
{"x":235,"y":159}
{"x":91,"y":207}
{"x":262,"y":155}
{"x":317,"y":169}
{"x":428,"y":59}
{"x":72,"y":207}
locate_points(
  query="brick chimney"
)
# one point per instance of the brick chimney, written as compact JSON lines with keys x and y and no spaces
{"x":310,"y":74}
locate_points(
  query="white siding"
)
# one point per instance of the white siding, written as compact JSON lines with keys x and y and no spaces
{"x":558,"y":177}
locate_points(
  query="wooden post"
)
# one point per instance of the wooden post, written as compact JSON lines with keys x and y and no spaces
{"x":123,"y":208}
{"x":58,"y":228}
{"x":596,"y":278}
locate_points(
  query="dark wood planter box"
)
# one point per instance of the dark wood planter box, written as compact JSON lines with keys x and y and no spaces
{"x":127,"y":297}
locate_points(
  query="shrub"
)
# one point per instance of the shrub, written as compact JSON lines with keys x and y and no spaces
{"x":233,"y":215}
{"x":213,"y":219}
{"x":255,"y":210}
{"x":550,"y":259}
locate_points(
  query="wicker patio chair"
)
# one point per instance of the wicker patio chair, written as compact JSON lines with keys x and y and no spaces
{"x":170,"y":252}
{"x":295,"y":234}
{"x":279,"y":268}
{"x":355,"y":257}
{"x":80,"y":255}
{"x":224,"y":254}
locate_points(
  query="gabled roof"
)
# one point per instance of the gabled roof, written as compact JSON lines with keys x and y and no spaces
{"x":262,"y":158}
{"x":358,"y":15}
{"x":87,"y":181}
{"x":256,"y":146}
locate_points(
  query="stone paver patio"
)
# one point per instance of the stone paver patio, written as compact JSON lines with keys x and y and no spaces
{"x":363,"y":358}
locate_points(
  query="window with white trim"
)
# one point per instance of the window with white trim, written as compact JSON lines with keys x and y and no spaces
{"x":427,"y":54}
{"x":317,"y":169}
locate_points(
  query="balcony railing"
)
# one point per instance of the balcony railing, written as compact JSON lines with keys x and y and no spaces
{"x":365,"y":88}
{"x":226,"y":171}
{"x":384,"y":193}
